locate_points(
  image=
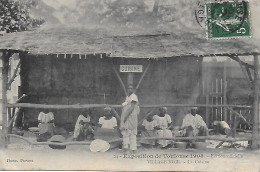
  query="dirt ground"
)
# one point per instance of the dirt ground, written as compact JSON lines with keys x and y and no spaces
{"x":22,"y":156}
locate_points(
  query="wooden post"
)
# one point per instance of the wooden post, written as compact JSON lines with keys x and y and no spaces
{"x":130,"y":79}
{"x":234,"y":127}
{"x":256,"y":112}
{"x":225,"y":91}
{"x":5,"y":63}
{"x":207,"y":108}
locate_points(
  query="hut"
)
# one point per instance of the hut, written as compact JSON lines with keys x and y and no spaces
{"x":66,"y":68}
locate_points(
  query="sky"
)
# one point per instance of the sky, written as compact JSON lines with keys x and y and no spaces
{"x":254,"y":12}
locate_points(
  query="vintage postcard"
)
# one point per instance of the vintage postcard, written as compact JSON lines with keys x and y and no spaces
{"x":130,"y":85}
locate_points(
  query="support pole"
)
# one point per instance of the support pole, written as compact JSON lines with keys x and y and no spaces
{"x":130,"y":79}
{"x":207,"y":109}
{"x":256,"y":104}
{"x":225,"y":91}
{"x":234,"y":133}
{"x":5,"y":63}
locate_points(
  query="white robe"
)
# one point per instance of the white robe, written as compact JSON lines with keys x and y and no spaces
{"x":163,"y":122}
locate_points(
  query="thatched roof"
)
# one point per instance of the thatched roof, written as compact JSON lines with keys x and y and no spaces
{"x":125,"y":29}
{"x":136,"y":44}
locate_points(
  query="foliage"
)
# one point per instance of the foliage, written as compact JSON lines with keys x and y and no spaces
{"x":15,"y":16}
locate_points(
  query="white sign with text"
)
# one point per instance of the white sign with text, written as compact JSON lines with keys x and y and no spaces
{"x":131,"y":68}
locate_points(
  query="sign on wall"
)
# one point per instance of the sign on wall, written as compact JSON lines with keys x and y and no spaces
{"x":131,"y":68}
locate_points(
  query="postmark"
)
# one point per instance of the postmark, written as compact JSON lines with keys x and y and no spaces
{"x":228,"y":20}
{"x":200,"y":13}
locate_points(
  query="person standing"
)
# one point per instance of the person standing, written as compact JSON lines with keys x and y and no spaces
{"x":129,"y":120}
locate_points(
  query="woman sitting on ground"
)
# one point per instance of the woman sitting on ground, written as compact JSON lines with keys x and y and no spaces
{"x":46,"y":125}
{"x":163,"y":121}
{"x":84,"y":128}
{"x":148,"y":131}
{"x":108,"y":125}
{"x":108,"y":121}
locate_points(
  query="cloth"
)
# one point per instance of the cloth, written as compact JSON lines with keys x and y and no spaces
{"x":129,"y":138}
{"x":129,"y":99}
{"x":44,"y":126}
{"x":202,"y":131}
{"x":108,"y":124}
{"x":149,"y":125}
{"x":196,"y":122}
{"x":106,"y":134}
{"x":45,"y":117}
{"x":78,"y":126}
{"x":162,"y":122}
{"x":131,"y":122}
{"x":129,"y":128}
{"x":99,"y":145}
{"x":149,"y":132}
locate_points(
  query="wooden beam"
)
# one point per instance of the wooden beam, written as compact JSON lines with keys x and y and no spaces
{"x":130,"y":79}
{"x":119,"y":78}
{"x":86,"y":106}
{"x":5,"y":63}
{"x":141,"y":79}
{"x":147,"y":114}
{"x":221,"y":143}
{"x":241,"y":116}
{"x":10,"y":123}
{"x":14,"y":75}
{"x":256,"y":104}
{"x":120,"y":140}
{"x":249,"y":75}
{"x":236,"y":58}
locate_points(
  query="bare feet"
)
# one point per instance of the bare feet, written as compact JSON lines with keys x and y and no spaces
{"x":133,"y":151}
{"x":126,"y":151}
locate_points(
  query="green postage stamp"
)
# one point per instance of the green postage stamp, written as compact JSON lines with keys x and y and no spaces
{"x":228,"y":19}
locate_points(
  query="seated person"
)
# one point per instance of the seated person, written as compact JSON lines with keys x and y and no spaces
{"x":148,"y":131}
{"x":221,"y":127}
{"x":84,"y":128}
{"x":193,"y":124}
{"x":108,"y":125}
{"x":108,"y":121}
{"x":163,"y":125}
{"x":46,"y":125}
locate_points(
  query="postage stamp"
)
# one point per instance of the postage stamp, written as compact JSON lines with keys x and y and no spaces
{"x":228,"y":20}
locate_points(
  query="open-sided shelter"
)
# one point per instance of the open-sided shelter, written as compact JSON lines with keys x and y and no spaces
{"x":70,"y":68}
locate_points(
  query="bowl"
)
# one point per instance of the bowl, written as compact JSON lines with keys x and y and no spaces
{"x":57,"y":139}
{"x":181,"y":145}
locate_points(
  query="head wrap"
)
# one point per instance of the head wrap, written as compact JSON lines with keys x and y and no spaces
{"x":164,"y":108}
{"x":107,"y":108}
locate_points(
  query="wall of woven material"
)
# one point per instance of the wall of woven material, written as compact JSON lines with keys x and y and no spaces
{"x":91,"y":80}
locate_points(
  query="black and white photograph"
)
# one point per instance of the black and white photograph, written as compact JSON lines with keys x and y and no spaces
{"x":130,"y":85}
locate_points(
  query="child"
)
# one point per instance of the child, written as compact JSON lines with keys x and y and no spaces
{"x":148,"y":131}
